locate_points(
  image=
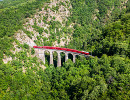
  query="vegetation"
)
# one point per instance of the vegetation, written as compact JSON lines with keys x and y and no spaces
{"x":11,"y":19}
{"x":100,"y":26}
{"x":104,"y":78}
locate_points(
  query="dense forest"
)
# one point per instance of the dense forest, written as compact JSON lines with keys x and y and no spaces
{"x":99,"y":26}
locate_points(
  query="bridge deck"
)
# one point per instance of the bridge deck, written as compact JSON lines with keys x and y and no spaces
{"x":63,"y":49}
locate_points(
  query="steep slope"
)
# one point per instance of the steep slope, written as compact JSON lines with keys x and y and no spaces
{"x":90,"y":25}
{"x":47,"y":25}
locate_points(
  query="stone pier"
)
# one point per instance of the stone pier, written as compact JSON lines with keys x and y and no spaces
{"x":59,"y":59}
{"x":51,"y":57}
{"x":41,"y":54}
{"x":66,"y":56}
{"x":74,"y":56}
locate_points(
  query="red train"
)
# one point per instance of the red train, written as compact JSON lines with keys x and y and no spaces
{"x":64,"y":49}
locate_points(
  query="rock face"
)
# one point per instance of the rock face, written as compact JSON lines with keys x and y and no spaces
{"x":55,"y":11}
{"x":23,"y":38}
{"x":6,"y":59}
{"x":38,"y":29}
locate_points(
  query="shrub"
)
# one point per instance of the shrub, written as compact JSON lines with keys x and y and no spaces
{"x":26,"y":46}
{"x":32,"y":51}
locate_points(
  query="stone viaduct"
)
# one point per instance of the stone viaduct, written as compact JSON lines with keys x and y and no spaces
{"x":58,"y":50}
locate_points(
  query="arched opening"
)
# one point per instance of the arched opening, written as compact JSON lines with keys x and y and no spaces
{"x":77,"y":57}
{"x":55,"y":58}
{"x":62,"y":58}
{"x":47,"y":57}
{"x":70,"y":56}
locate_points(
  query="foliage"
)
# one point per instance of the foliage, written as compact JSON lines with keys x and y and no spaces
{"x":104,"y":77}
{"x":12,"y":15}
{"x":107,"y":34}
{"x":26,"y":46}
{"x":32,"y":51}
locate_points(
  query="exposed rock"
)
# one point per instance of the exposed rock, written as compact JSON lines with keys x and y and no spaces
{"x":50,"y":14}
{"x":6,"y":59}
{"x":23,"y":70}
{"x":23,"y":38}
{"x":17,"y":49}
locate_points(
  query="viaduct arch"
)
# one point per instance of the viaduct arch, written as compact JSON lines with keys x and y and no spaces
{"x":67,"y":51}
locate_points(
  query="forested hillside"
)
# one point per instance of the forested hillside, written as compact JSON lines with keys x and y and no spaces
{"x":98,"y":26}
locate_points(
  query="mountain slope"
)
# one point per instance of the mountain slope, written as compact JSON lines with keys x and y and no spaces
{"x":85,"y":26}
